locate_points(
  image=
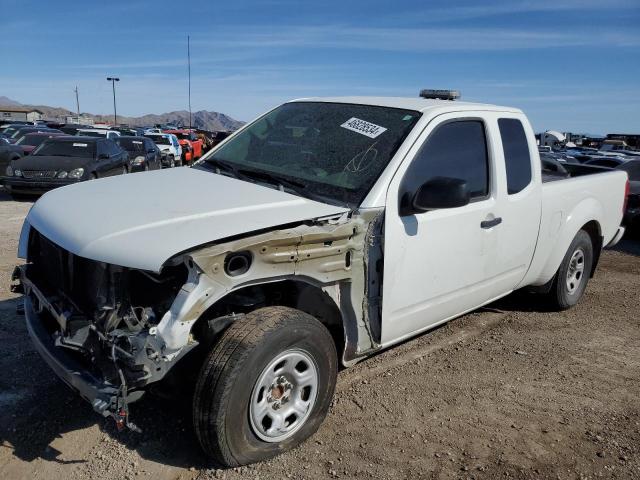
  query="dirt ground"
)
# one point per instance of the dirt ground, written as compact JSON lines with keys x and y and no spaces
{"x":511,"y":391}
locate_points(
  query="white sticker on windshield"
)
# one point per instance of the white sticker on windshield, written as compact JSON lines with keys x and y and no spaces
{"x":370,"y":130}
{"x":79,"y":144}
{"x":137,"y":142}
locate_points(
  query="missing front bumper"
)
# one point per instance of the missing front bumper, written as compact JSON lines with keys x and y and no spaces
{"x":107,"y":399}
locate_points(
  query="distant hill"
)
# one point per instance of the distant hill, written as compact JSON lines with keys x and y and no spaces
{"x":203,"y":119}
{"x":7,"y":102}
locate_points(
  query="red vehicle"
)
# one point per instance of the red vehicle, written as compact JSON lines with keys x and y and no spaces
{"x":190,"y":143}
{"x":30,"y":141}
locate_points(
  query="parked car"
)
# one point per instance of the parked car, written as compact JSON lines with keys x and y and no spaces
{"x":323,"y":232}
{"x":30,"y":141}
{"x":143,"y":153}
{"x":169,"y":146}
{"x":608,"y":162}
{"x":4,"y":123}
{"x":98,"y":132}
{"x":22,"y":131}
{"x":63,"y":161}
{"x":632,"y":212}
{"x":190,"y":143}
{"x":8,"y":153}
{"x":72,"y":128}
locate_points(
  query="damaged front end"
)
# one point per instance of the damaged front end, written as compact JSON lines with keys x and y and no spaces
{"x":111,"y":331}
{"x":91,"y":322}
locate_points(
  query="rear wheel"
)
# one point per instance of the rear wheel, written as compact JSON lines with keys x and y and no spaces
{"x":172,"y":161}
{"x":266,"y":386}
{"x":574,"y":272}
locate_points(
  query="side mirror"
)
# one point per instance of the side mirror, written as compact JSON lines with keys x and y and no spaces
{"x":440,"y":192}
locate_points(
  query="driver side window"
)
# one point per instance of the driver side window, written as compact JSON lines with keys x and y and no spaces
{"x":456,"y":150}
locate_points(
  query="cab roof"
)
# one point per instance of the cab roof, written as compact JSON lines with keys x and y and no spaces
{"x":411,"y":103}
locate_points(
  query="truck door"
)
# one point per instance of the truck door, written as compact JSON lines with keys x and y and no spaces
{"x":519,"y":198}
{"x":437,"y":263}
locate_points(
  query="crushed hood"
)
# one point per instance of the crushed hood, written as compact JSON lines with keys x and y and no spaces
{"x":141,"y":220}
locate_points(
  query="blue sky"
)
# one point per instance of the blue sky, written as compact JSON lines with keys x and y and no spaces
{"x":571,"y":65}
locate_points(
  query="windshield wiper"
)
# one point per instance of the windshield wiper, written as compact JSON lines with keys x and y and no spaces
{"x":221,"y":165}
{"x":273,"y":179}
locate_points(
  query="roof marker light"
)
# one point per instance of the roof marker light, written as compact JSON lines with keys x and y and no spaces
{"x":440,"y":94}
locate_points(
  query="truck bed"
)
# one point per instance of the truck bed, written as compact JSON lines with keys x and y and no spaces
{"x":571,"y":170}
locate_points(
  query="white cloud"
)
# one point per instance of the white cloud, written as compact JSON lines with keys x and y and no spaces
{"x":417,"y":39}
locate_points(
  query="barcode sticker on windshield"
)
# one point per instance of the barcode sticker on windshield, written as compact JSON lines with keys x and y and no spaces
{"x":370,"y":130}
{"x":79,"y":144}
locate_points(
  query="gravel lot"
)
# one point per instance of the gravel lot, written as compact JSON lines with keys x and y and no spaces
{"x":509,"y":391}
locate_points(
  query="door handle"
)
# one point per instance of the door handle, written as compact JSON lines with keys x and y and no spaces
{"x":491,"y":223}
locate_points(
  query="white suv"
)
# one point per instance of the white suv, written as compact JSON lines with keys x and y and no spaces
{"x":98,"y":132}
{"x":169,"y":148}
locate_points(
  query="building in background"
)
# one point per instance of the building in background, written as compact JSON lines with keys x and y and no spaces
{"x":20,"y":113}
{"x":79,"y":120}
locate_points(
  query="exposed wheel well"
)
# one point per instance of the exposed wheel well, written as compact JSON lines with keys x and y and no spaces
{"x":301,"y":295}
{"x":594,"y":231}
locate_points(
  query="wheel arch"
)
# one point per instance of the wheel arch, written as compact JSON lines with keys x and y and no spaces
{"x":304,"y":295}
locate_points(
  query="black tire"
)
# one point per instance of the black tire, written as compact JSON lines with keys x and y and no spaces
{"x":561,"y":296}
{"x":172,"y":161}
{"x":225,"y":385}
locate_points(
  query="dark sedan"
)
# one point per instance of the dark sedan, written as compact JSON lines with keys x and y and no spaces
{"x":21,"y":132}
{"x":65,"y":160}
{"x":143,"y":153}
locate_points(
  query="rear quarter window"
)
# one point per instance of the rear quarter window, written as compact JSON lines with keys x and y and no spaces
{"x":517,"y":157}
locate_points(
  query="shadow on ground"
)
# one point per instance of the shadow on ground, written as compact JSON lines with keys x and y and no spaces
{"x":629,"y":244}
{"x":37,"y":408}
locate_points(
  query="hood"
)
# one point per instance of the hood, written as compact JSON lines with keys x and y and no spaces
{"x":51,"y":162}
{"x":141,"y":220}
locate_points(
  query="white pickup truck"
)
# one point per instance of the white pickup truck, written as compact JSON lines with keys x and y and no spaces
{"x":320,"y":233}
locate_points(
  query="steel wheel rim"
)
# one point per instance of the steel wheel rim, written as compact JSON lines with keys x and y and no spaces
{"x":575,"y":272}
{"x":283,"y":396}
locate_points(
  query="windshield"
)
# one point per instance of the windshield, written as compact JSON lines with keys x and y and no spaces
{"x":159,"y":139}
{"x":131,"y":145}
{"x":185,"y":136}
{"x":33,"y":140}
{"x":633,"y":170}
{"x":66,"y":149}
{"x":10,"y":130}
{"x":332,"y":150}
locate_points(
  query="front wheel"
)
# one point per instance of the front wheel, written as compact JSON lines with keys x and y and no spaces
{"x":574,"y":272}
{"x":266,"y":386}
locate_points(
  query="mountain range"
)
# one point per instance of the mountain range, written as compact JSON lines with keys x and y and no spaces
{"x":206,"y":120}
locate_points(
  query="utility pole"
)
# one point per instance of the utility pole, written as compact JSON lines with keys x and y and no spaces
{"x":189,"y":70}
{"x":113,"y":81}
{"x":77,"y":105}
